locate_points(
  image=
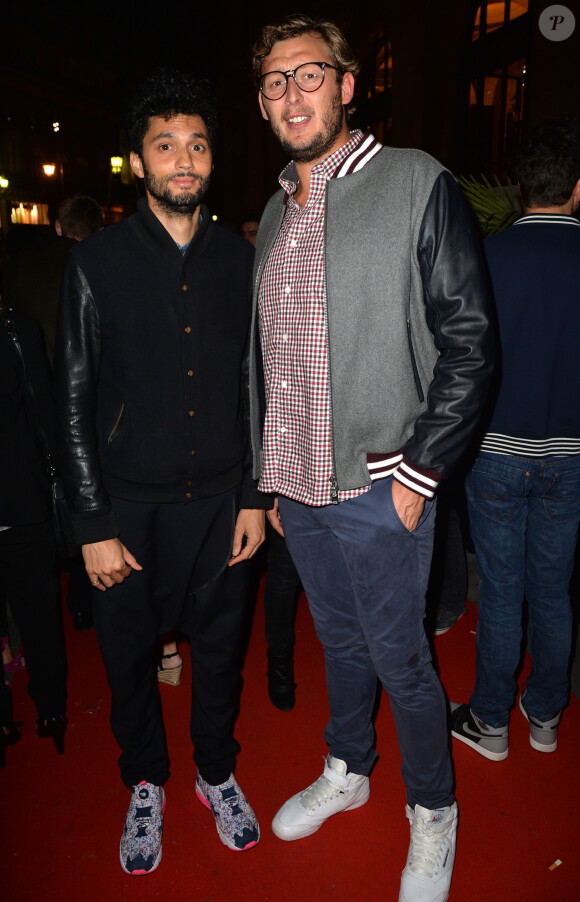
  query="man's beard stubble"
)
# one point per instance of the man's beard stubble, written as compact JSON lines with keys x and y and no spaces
{"x":322,"y":143}
{"x":183,"y":204}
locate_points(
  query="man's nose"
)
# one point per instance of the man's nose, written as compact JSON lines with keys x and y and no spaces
{"x":184,"y":158}
{"x":293,"y":92}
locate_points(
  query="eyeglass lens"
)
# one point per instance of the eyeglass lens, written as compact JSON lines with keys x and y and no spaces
{"x":308,"y":77}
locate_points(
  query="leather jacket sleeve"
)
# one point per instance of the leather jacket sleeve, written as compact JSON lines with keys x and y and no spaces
{"x":459,"y":312}
{"x":77,"y":356}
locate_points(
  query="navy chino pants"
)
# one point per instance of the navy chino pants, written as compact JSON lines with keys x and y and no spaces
{"x":365,"y":576}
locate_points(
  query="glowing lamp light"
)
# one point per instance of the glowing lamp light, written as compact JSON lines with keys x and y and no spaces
{"x":49,"y":169}
{"x":214,"y":217}
{"x":3,"y":182}
{"x":116,"y":164}
{"x":56,"y":126}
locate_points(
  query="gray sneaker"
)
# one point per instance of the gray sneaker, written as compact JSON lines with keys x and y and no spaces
{"x":543,"y":733}
{"x":491,"y":742}
{"x":236,"y":823}
{"x":140,"y":850}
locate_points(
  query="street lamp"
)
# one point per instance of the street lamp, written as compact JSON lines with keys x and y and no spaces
{"x":3,"y":182}
{"x":116,"y":165}
{"x":48,"y":168}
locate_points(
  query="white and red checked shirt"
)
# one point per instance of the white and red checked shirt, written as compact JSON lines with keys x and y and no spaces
{"x":297,"y":443}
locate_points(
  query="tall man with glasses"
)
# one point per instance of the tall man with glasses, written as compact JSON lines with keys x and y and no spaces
{"x":152,"y":378}
{"x":371,"y":324}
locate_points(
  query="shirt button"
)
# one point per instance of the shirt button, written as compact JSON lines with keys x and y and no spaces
{"x":287,"y":289}
{"x":284,"y":383}
{"x":293,"y":243}
{"x":282,"y":429}
{"x":184,"y":287}
{"x":192,"y":451}
{"x":190,"y":372}
{"x":284,"y":337}
{"x":188,"y":329}
{"x":188,"y":494}
{"x":191,"y":412}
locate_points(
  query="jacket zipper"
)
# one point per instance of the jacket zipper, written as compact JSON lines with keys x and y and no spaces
{"x":418,"y":385}
{"x":116,"y":425}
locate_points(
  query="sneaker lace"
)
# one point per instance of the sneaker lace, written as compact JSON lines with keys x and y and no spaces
{"x":428,"y":839}
{"x":320,"y":791}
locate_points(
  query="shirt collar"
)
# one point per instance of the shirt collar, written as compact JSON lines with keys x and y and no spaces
{"x":331,"y":166}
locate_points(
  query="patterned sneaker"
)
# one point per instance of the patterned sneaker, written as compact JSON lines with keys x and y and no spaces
{"x":140,"y":850}
{"x":491,"y":742}
{"x":333,"y":792}
{"x":427,"y":874}
{"x":543,"y":733}
{"x":235,"y":821}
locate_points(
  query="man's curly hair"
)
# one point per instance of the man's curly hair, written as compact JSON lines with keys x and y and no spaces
{"x":167,"y":93}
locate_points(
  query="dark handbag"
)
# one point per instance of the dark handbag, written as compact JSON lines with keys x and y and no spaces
{"x":66,"y":544}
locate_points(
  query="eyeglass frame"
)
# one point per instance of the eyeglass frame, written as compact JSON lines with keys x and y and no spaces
{"x":291,"y":73}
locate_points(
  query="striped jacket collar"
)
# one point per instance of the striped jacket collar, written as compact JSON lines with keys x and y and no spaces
{"x":337,"y":165}
{"x":547,"y":219}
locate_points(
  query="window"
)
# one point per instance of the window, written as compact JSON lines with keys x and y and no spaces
{"x":496,"y":13}
{"x":375,"y":108}
{"x":497,"y":85}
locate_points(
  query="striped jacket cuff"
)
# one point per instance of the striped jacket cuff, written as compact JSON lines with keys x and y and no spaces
{"x":424,"y":482}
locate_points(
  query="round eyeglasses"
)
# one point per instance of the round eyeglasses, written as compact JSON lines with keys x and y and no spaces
{"x":307,"y":77}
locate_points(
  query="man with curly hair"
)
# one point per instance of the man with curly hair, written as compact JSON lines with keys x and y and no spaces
{"x":372,"y":304}
{"x":151,"y":370}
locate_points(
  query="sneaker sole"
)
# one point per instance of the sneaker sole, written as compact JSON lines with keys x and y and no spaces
{"x":476,"y":746}
{"x":141,"y":873}
{"x":300,"y":831}
{"x":445,"y":629}
{"x":221,"y":835}
{"x":537,"y":746}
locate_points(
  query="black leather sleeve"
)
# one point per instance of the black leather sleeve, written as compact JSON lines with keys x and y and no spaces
{"x":76,"y":367}
{"x":459,"y":312}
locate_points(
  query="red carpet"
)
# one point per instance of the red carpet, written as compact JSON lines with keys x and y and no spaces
{"x":62,"y":816}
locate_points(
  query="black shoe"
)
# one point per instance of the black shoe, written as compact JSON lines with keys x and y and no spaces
{"x":82,"y":620}
{"x":9,"y":735}
{"x":445,"y":620}
{"x":491,"y":742}
{"x":53,"y":729}
{"x":281,"y":685}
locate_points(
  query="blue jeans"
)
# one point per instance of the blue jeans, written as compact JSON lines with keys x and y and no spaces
{"x":524,"y":516}
{"x":365,"y":577}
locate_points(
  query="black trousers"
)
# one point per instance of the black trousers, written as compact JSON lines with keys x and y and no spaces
{"x":28,"y":570}
{"x":185,"y":582}
{"x":281,"y":595}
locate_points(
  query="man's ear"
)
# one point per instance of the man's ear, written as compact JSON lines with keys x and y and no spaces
{"x":576,"y":196}
{"x":136,"y":164}
{"x":58,"y":228}
{"x":262,"y":107}
{"x":347,"y":87}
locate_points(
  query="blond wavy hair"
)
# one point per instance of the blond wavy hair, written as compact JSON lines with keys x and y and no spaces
{"x":295,"y":26}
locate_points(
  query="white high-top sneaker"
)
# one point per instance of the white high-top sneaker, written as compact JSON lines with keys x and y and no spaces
{"x":427,"y":875}
{"x":334,"y":791}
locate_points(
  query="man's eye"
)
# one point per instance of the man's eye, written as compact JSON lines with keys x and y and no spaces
{"x":198,"y":147}
{"x":164,"y":146}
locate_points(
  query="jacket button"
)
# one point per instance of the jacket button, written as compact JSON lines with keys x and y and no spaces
{"x":190,"y":372}
{"x":188,"y":494}
{"x":184,"y":287}
{"x":192,"y":451}
{"x":191,"y":412}
{"x":188,"y":482}
{"x":188,"y":329}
